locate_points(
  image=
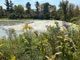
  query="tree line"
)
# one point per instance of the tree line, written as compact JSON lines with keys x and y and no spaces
{"x":66,"y":11}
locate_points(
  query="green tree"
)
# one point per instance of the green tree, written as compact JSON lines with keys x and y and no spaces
{"x":37,"y":9}
{"x":7,"y":5}
{"x":64,"y":5}
{"x":11,"y":6}
{"x":60,"y":14}
{"x":19,"y":10}
{"x":28,"y":6}
{"x":76,"y":11}
{"x":46,"y":11}
{"x":53,"y":11}
{"x":2,"y":12}
{"x":70,"y":11}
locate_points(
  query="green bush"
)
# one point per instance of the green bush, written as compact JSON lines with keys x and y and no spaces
{"x":75,"y":19}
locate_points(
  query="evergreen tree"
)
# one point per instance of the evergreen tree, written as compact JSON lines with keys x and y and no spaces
{"x":46,"y":11}
{"x":7,"y":5}
{"x":11,"y":6}
{"x":2,"y":12}
{"x":70,"y":11}
{"x":19,"y":11}
{"x":64,"y":6}
{"x":37,"y":9}
{"x":28,"y":6}
{"x":76,"y":11}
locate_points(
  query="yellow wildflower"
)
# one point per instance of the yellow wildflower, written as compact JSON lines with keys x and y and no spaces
{"x":59,"y":37}
{"x":53,"y":56}
{"x":65,"y":39}
{"x":30,"y":27}
{"x":45,"y":41}
{"x":61,"y":43}
{"x":48,"y":58}
{"x":25,"y":27}
{"x":13,"y":58}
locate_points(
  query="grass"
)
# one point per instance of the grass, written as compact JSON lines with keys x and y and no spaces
{"x":13,"y":19}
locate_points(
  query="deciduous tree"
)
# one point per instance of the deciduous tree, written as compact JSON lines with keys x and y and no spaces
{"x":64,"y":5}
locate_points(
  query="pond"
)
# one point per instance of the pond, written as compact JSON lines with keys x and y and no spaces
{"x":7,"y":25}
{"x":38,"y":25}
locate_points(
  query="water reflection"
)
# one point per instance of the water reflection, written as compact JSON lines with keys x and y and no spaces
{"x":2,"y":32}
{"x":5,"y":32}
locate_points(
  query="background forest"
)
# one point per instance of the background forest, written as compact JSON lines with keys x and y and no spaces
{"x":66,"y":11}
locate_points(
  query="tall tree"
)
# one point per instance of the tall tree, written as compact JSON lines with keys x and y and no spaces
{"x":70,"y":11}
{"x":76,"y":11}
{"x":46,"y":11}
{"x":7,"y":5}
{"x":11,"y":6}
{"x":28,"y":6}
{"x":19,"y":10}
{"x":2,"y":12}
{"x":52,"y":11}
{"x":37,"y":9}
{"x":64,"y":5}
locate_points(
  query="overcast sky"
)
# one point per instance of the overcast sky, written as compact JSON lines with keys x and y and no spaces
{"x":23,"y":2}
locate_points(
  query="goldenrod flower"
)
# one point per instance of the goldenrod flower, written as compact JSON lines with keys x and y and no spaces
{"x":59,"y":37}
{"x":65,"y":39}
{"x":45,"y":41}
{"x":13,"y":58}
{"x":25,"y":27}
{"x":30,"y":27}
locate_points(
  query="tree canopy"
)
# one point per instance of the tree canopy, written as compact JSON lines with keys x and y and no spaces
{"x":66,"y":11}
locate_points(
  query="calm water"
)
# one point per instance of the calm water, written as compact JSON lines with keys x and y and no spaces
{"x":3,"y":31}
{"x":37,"y":25}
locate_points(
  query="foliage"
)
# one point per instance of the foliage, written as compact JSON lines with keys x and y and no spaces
{"x":76,"y":11}
{"x":28,"y":12}
{"x":54,"y":44}
{"x":7,"y":5}
{"x":64,"y":5}
{"x":75,"y":19}
{"x":65,"y":12}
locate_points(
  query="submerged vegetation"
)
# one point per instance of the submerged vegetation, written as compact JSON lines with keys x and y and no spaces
{"x":54,"y":44}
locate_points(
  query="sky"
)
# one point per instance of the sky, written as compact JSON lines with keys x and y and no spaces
{"x":23,"y":2}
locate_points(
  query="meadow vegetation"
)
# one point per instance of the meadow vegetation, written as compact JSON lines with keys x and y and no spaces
{"x":54,"y":44}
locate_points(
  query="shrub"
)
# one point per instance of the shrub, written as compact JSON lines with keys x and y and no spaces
{"x":75,"y":19}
